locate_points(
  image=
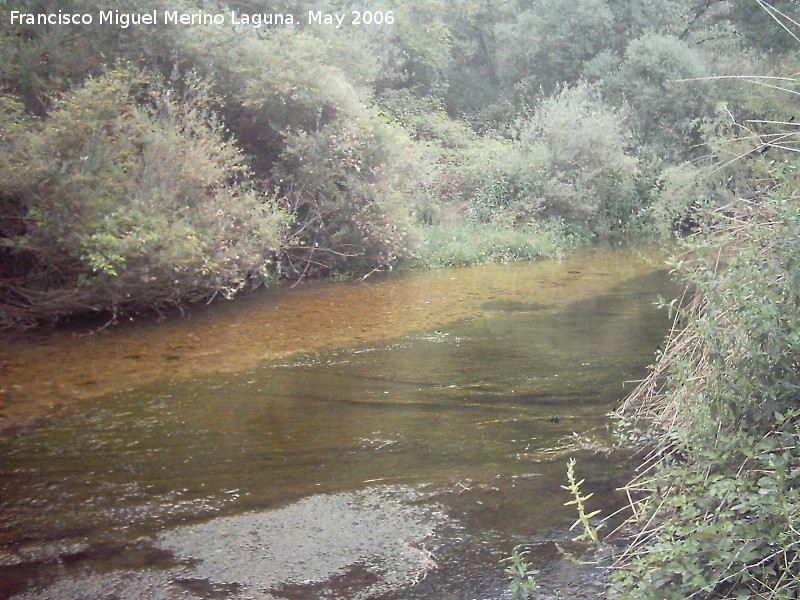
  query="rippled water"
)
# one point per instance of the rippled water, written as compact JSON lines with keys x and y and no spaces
{"x":448,"y":396}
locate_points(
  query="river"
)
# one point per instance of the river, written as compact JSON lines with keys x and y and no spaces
{"x":392,"y":438}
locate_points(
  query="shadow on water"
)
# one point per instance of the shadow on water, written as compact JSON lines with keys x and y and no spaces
{"x":349,"y":470}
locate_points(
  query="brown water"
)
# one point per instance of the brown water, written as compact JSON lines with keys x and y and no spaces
{"x":329,"y":440}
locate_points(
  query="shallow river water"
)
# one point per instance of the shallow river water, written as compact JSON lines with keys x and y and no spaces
{"x":392,"y":438}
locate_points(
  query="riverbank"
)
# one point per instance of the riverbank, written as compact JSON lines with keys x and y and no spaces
{"x":430,"y":247}
{"x":717,"y":508}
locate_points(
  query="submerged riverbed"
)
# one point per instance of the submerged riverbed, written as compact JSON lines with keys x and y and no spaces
{"x":393,"y":438}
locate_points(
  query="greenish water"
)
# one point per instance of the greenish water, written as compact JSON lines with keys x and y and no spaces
{"x":456,"y":401}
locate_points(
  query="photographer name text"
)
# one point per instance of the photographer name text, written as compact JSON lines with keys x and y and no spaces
{"x":124,"y":20}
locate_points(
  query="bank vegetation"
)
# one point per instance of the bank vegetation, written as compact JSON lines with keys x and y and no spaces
{"x":157,"y":164}
{"x":716,"y":501}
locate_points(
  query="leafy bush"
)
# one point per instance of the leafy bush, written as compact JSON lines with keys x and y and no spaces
{"x":466,"y":176}
{"x":346,"y":194}
{"x":499,"y":184}
{"x":580,"y":144}
{"x":131,"y":196}
{"x":677,"y":192}
{"x":718,"y":504}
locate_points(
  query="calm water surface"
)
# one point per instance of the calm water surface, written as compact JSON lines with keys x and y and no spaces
{"x":395,"y":437}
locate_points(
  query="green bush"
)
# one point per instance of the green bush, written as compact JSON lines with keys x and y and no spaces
{"x":578,"y":146}
{"x":677,"y":192}
{"x":347,"y":193}
{"x":463,"y":175}
{"x":132,"y":196}
{"x":718,"y":507}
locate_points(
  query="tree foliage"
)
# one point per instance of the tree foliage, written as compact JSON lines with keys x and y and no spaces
{"x":510,"y":115}
{"x":551,"y":43}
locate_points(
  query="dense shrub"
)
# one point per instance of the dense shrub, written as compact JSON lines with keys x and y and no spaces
{"x":674,"y":197}
{"x":578,"y":144}
{"x":130,"y":195}
{"x":348,"y":197}
{"x":718,"y":507}
{"x":465,"y":175}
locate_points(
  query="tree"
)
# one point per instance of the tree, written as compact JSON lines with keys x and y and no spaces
{"x":550,"y":43}
{"x":661,"y":80}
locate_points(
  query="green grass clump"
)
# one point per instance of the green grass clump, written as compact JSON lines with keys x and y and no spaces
{"x":472,"y":244}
